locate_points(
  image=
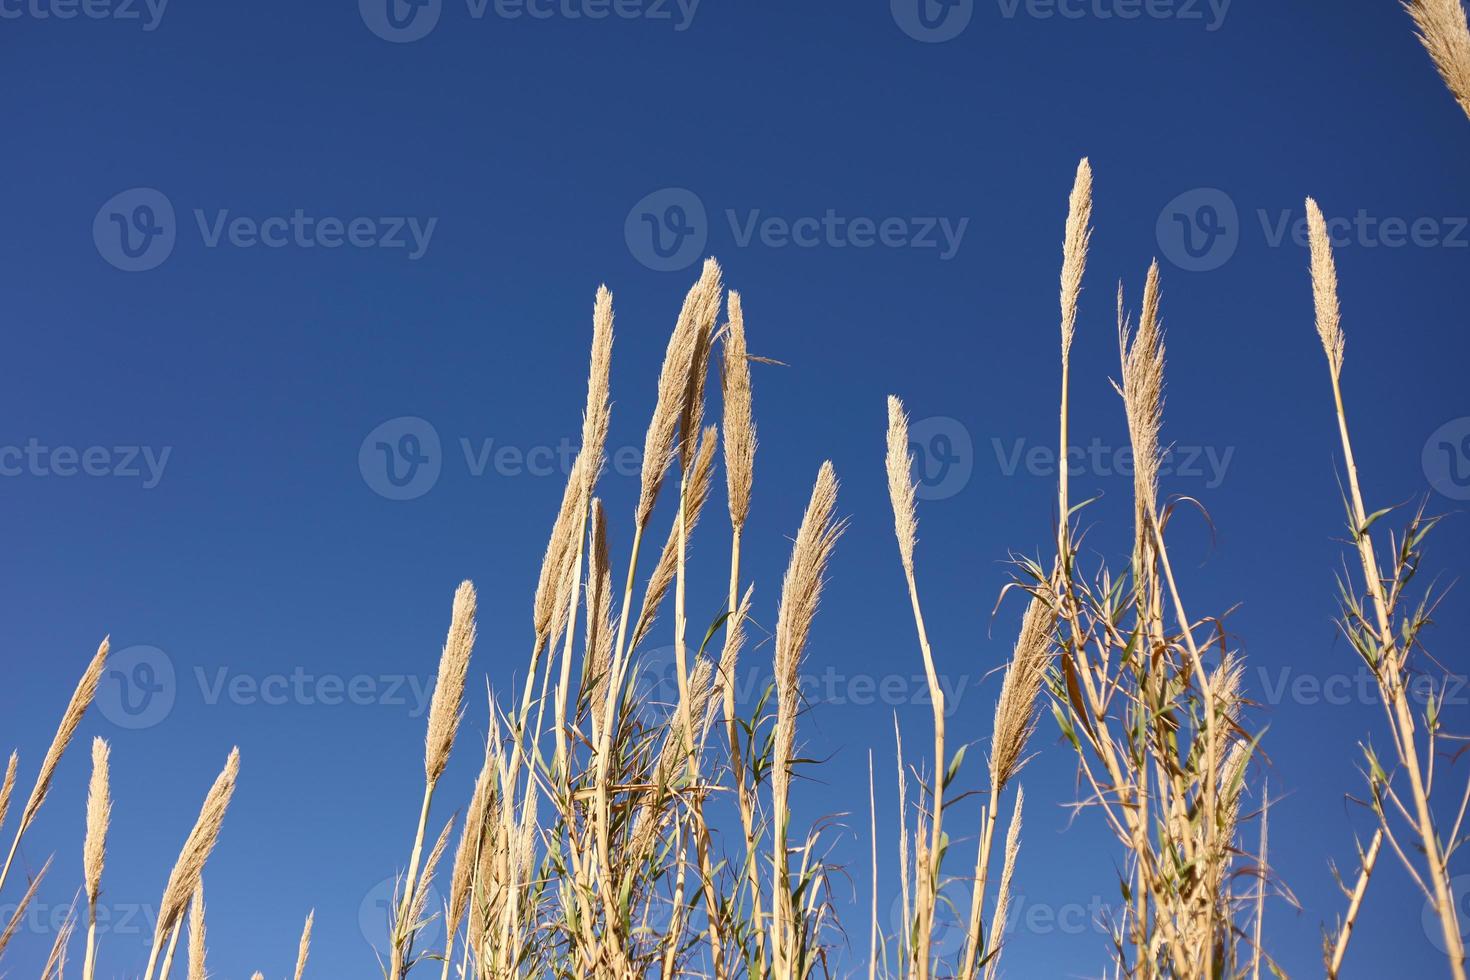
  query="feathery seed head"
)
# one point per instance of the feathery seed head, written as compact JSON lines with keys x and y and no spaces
{"x":304,"y":947}
{"x":81,"y":698}
{"x":1445,"y":34}
{"x":1015,"y":712}
{"x":99,"y":814}
{"x":197,"y":847}
{"x":7,"y":788}
{"x":901,"y":482}
{"x":801,"y":591}
{"x":1142,"y":355}
{"x":696,"y":493}
{"x":196,"y":934}
{"x":738,"y":420}
{"x":1074,"y":250}
{"x":674,"y":411}
{"x":1324,"y":288}
{"x":454,"y":664}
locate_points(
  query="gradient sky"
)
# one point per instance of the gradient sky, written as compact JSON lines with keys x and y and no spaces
{"x":186,"y":412}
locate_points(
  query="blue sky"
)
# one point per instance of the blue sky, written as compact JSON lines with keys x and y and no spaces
{"x":341,"y":225}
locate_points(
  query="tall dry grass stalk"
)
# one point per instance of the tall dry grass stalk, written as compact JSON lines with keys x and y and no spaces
{"x":603,"y":856}
{"x":303,"y":948}
{"x":187,"y":870}
{"x":71,"y":719}
{"x":1383,"y":634}
{"x":197,"y":968}
{"x":445,"y":710}
{"x":1442,"y":29}
{"x":94,"y":848}
{"x":801,"y":591}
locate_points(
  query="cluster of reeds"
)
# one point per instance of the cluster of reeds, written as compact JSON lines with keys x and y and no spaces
{"x":1385,"y":628}
{"x":586,"y":845}
{"x":183,"y":891}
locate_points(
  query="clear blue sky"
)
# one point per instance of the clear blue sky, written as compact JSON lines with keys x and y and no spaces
{"x":242,"y":536}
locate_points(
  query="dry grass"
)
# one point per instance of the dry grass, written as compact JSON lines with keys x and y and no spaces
{"x":599,"y":837}
{"x":1443,"y":31}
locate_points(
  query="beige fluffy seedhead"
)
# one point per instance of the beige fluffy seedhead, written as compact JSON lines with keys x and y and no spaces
{"x":7,"y":788}
{"x":468,"y":849}
{"x":1074,"y":250}
{"x":197,"y":969}
{"x":801,"y":591}
{"x":99,"y":814}
{"x":1142,"y":355}
{"x":197,"y":847}
{"x":1015,"y":712}
{"x":739,"y":421}
{"x":597,"y":415}
{"x":901,"y":485}
{"x":454,"y":664}
{"x":674,"y":412}
{"x":70,"y":720}
{"x":668,"y":560}
{"x":1324,"y":288}
{"x":304,"y":947}
{"x":1443,"y":31}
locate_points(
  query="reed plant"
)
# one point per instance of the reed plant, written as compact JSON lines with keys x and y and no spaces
{"x":606,"y":835}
